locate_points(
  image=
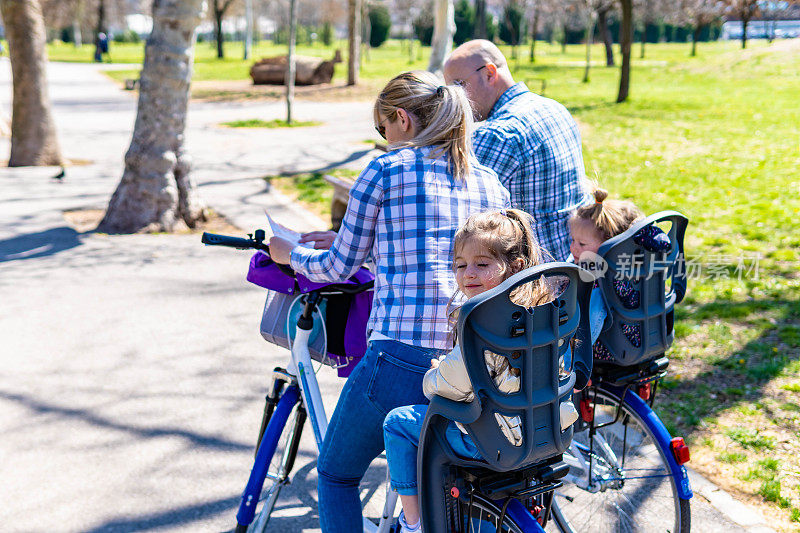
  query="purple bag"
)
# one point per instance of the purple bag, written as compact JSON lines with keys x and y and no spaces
{"x":346,"y":345}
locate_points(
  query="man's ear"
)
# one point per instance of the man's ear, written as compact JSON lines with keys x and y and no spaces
{"x":491,"y":72}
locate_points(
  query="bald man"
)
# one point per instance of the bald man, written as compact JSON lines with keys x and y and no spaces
{"x":532,"y":142}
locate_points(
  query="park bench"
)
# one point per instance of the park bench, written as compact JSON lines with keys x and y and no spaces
{"x":341,"y":193}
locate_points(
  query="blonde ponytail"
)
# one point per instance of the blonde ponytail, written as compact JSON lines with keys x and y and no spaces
{"x":443,"y":114}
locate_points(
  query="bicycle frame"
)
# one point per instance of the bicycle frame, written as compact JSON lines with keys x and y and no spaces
{"x":304,"y":389}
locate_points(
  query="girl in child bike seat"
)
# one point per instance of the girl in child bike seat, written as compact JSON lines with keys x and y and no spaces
{"x":589,"y":227}
{"x":489,"y":248}
{"x":404,"y":211}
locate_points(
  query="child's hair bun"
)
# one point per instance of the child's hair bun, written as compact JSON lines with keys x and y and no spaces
{"x":600,"y":195}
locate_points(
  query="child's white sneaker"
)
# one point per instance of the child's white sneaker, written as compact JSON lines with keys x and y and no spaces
{"x":405,"y":527}
{"x":568,"y":415}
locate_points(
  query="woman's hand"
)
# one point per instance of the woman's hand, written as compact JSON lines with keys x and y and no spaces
{"x":434,"y":363}
{"x":280,"y":250}
{"x":322,"y":239}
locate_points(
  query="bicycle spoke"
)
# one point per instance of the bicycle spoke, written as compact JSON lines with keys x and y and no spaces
{"x":630,"y":486}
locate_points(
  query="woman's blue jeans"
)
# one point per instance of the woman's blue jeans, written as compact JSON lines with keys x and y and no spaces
{"x":389,"y":376}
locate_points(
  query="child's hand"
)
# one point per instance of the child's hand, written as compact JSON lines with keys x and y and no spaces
{"x":434,"y":363}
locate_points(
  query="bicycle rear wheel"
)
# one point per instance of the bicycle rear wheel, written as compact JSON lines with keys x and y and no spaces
{"x":620,"y":480}
{"x":484,"y":516}
{"x":271,"y":470}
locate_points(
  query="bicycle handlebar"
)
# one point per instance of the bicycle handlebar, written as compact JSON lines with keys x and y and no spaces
{"x":256,"y":242}
{"x":213,"y":239}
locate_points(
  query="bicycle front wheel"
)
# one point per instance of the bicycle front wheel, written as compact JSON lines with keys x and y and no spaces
{"x":271,"y":470}
{"x":619,"y":479}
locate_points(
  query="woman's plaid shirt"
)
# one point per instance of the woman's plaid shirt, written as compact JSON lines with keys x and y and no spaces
{"x":404,"y":210}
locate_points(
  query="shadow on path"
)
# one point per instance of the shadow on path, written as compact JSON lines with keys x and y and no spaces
{"x":88,"y":417}
{"x":40,"y":244}
{"x":172,"y":517}
{"x":735,"y":376}
{"x":355,"y":156}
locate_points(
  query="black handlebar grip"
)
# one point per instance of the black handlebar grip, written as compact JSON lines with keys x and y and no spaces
{"x":224,"y":240}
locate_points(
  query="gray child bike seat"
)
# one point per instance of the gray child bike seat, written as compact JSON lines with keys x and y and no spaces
{"x":640,"y":327}
{"x":534,"y":341}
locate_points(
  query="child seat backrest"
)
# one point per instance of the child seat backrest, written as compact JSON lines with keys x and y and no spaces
{"x":641,"y":285}
{"x":535,"y":343}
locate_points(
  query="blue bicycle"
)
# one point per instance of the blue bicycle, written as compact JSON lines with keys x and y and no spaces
{"x":621,"y":470}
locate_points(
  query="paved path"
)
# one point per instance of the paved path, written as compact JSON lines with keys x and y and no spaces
{"x":133,"y":373}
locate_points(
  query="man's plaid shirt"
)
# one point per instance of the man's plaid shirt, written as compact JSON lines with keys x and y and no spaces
{"x":534,"y":145}
{"x":405,"y":208}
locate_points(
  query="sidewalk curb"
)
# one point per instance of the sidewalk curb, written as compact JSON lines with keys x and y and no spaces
{"x":737,"y":511}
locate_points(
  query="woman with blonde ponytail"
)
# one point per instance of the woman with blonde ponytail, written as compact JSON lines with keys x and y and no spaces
{"x":404,"y":211}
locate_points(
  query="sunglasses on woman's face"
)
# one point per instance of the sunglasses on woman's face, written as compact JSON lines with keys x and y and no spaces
{"x":381,"y":129}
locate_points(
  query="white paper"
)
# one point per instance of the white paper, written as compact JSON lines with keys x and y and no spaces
{"x":279,"y":230}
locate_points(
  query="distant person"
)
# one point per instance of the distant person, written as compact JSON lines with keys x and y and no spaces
{"x":532,"y":142}
{"x":101,"y":47}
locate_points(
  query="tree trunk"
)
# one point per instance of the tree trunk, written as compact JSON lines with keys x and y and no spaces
{"x":602,"y":25}
{"x":695,"y":36}
{"x":248,"y":29}
{"x":534,"y":25}
{"x":156,"y":192}
{"x":101,"y":24}
{"x":290,"y":64}
{"x":564,"y":37}
{"x":444,"y":27}
{"x":354,"y":40}
{"x":410,"y":43}
{"x":33,"y":132}
{"x":77,"y":38}
{"x":77,"y":16}
{"x":366,"y":33}
{"x":744,"y":32}
{"x":644,"y":38}
{"x":480,"y":31}
{"x":625,"y":40}
{"x":218,"y":31}
{"x":589,"y":41}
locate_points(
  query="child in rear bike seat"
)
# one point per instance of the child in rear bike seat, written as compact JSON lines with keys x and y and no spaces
{"x":589,"y":227}
{"x":489,"y":248}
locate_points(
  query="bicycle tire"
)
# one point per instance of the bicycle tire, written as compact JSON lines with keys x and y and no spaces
{"x":633,"y":485}
{"x":277,"y":472}
{"x":485,"y":516}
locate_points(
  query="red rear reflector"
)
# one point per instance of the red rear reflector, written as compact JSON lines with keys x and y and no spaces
{"x":454,"y":492}
{"x":644,"y":391}
{"x":679,"y":450}
{"x":587,"y":413}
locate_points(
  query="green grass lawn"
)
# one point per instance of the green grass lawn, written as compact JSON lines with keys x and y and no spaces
{"x":269,"y":124}
{"x":715,"y":137}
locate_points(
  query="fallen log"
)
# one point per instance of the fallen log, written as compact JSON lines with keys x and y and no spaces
{"x":308,"y":70}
